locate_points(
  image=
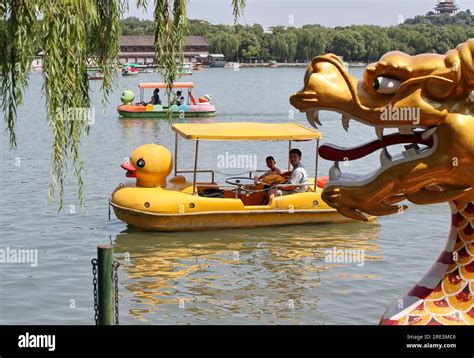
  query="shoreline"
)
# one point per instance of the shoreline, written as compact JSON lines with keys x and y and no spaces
{"x":293,"y":64}
{"x":258,"y":65}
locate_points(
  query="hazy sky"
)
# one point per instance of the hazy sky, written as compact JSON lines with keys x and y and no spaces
{"x":327,"y":13}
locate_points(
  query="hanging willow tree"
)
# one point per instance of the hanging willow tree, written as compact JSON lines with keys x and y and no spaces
{"x":73,"y":35}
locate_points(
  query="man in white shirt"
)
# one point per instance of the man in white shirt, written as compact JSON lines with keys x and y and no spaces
{"x":179,"y":98}
{"x":298,"y":177}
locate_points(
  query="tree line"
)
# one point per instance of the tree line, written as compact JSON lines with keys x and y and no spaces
{"x":357,"y":43}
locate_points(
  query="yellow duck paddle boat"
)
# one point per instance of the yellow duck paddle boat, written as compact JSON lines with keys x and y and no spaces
{"x":163,"y":203}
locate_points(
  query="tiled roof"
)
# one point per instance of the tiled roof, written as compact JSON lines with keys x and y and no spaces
{"x":196,"y":41}
{"x":152,"y":54}
{"x":150,"y":41}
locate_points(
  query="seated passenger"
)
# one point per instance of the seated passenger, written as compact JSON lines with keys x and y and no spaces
{"x":155,"y":99}
{"x":271,"y":165}
{"x":179,"y":98}
{"x":298,"y":177}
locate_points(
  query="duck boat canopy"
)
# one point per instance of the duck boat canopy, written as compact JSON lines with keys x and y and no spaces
{"x":164,"y":85}
{"x":242,"y":131}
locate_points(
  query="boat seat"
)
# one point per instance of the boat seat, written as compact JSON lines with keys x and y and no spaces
{"x":247,"y":198}
{"x":177,"y":179}
{"x":178,"y":183}
{"x":212,"y":193}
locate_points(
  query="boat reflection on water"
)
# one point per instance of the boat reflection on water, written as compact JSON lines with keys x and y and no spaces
{"x":267,"y":275}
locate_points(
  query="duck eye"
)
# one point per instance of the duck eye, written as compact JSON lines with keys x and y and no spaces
{"x":140,"y":163}
{"x":386,"y":85}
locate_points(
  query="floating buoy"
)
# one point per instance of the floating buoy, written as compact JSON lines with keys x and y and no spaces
{"x":206,"y":98}
{"x":322,"y":181}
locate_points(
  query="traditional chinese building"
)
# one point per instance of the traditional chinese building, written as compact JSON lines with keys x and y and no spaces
{"x":141,"y":49}
{"x":446,"y":7}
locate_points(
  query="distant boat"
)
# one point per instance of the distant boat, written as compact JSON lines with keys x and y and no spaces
{"x":95,"y":73}
{"x":216,"y":60}
{"x":198,"y":66}
{"x":232,"y":65}
{"x":185,"y":69}
{"x":272,"y":64}
{"x":190,"y":107}
{"x":129,"y":69}
{"x":36,"y":65}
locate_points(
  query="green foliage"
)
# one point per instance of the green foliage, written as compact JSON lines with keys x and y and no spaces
{"x":461,"y":18}
{"x":16,"y":53}
{"x":311,"y":43}
{"x":225,"y":43}
{"x":134,"y":26}
{"x":361,"y":43}
{"x":249,"y":48}
{"x":237,"y":7}
{"x":66,"y":84}
{"x":348,"y":44}
{"x":75,"y":34}
{"x":376,"y":42}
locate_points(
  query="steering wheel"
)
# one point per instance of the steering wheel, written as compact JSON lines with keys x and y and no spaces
{"x":240,"y":181}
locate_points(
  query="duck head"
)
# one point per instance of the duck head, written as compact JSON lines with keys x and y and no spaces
{"x":127,"y":97}
{"x":150,"y":164}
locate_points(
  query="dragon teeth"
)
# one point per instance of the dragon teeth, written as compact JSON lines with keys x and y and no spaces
{"x":379,"y":132}
{"x":334,"y":172}
{"x":425,"y":135}
{"x":385,"y":157}
{"x":345,"y":122}
{"x":409,"y":153}
{"x":312,"y":115}
{"x":310,"y":118}
{"x":316,"y":118}
{"x":405,"y":130}
{"x":412,"y":152}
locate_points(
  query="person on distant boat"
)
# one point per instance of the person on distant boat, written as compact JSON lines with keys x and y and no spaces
{"x":272,"y":168}
{"x":298,"y":178}
{"x":155,"y":99}
{"x":179,"y":98}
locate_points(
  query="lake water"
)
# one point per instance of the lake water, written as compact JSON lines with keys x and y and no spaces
{"x":258,"y":276}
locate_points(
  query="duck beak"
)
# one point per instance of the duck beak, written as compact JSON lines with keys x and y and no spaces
{"x":131,"y":171}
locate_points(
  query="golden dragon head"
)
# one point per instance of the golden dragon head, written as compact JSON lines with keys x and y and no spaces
{"x":429,"y":98}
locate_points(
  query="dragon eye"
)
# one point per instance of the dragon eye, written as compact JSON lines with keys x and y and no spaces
{"x":386,"y":85}
{"x":140,"y":163}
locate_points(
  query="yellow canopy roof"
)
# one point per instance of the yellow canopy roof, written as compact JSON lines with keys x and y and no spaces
{"x":245,"y":131}
{"x":164,"y":85}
